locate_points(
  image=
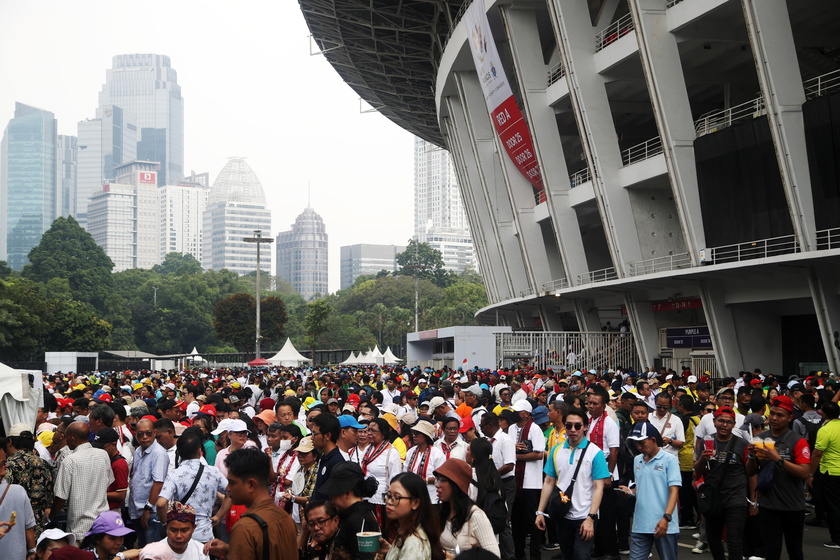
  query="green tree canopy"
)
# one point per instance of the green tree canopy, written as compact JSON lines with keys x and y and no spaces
{"x":178,"y":264}
{"x":426,"y":262}
{"x":317,"y":315}
{"x":68,"y":251}
{"x":236,"y":317}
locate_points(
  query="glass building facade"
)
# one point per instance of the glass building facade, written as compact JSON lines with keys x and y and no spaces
{"x":29,"y":197}
{"x":302,"y":255}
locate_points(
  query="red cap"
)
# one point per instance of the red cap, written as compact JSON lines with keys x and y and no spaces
{"x":466,"y":424}
{"x":208,"y":409}
{"x":150,"y":417}
{"x":267,"y":404}
{"x":353,"y":398}
{"x":182,"y":406}
{"x":783,"y":401}
{"x":724,"y":410}
{"x":755,"y":382}
{"x":105,"y":397}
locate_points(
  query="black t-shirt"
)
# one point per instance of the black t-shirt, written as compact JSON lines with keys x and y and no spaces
{"x":732,"y":483}
{"x":325,"y":467}
{"x":345,"y":542}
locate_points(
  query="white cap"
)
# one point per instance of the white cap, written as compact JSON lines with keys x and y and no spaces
{"x":56,"y":534}
{"x":692,"y":379}
{"x":436,"y":402}
{"x":521,"y":405}
{"x":230,"y":425}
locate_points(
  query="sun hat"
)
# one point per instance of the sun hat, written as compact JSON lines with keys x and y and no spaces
{"x":458,"y":471}
{"x":19,"y":428}
{"x":540,"y":415}
{"x":425,"y":428}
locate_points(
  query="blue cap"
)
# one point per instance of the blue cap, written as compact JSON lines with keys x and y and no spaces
{"x":644,"y":430}
{"x":347,"y":421}
{"x":540,"y":415}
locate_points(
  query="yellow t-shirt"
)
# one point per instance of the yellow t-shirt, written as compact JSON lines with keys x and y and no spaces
{"x":499,"y":408}
{"x":399,"y":445}
{"x":828,"y":441}
{"x":557,"y":436}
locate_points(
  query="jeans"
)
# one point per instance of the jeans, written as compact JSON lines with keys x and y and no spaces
{"x":524,"y":512}
{"x":830,"y":489}
{"x":688,"y":499}
{"x":642,"y":543}
{"x":154,"y":533}
{"x":572,"y":546}
{"x":776,"y":525}
{"x":506,"y":536}
{"x":733,"y":519}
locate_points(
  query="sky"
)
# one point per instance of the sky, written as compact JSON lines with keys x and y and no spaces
{"x":251,"y":88}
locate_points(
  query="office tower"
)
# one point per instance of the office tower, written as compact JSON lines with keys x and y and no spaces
{"x":688,"y":155}
{"x":366,"y":260}
{"x":104,"y":143}
{"x":146,"y":87}
{"x":123,"y":216}
{"x":439,"y":217}
{"x":182,"y":217}
{"x":67,"y":168}
{"x":29,"y":198}
{"x":302,"y":255}
{"x":235,"y":208}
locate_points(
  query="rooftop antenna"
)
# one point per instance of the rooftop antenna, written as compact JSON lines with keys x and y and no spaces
{"x":309,"y":194}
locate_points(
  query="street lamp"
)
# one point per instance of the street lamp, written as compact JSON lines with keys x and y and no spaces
{"x":258,"y":239}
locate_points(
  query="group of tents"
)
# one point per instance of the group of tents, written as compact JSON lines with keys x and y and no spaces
{"x":288,"y":356}
{"x":372,"y":357}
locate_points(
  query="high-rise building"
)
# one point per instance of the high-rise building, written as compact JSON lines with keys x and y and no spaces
{"x":439,"y":217}
{"x":29,"y":197}
{"x":367,"y":260}
{"x":123,"y":217}
{"x":182,"y":217}
{"x":146,"y":87}
{"x":67,"y":169}
{"x":302,"y":255}
{"x":235,"y":209}
{"x":104,"y":143}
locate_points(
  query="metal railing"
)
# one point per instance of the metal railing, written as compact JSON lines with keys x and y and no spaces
{"x":540,"y":196}
{"x":760,"y":249}
{"x":456,"y":20}
{"x":659,"y":264}
{"x":614,"y":32}
{"x":527,"y":292}
{"x":569,"y":350}
{"x":555,"y":285}
{"x":602,"y":275}
{"x":580,"y":177}
{"x":718,"y":120}
{"x":672,"y":3}
{"x":821,"y":85}
{"x":828,"y":239}
{"x":643,"y":151}
{"x":555,"y":73}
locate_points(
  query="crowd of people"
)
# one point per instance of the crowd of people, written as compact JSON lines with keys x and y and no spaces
{"x":416,"y":464}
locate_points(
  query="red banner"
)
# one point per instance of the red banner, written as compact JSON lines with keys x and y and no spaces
{"x":516,"y":138}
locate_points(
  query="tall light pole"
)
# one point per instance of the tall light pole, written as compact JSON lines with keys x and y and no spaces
{"x":258,"y":239}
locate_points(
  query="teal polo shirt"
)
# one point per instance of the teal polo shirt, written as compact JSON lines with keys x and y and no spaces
{"x":653,"y":487}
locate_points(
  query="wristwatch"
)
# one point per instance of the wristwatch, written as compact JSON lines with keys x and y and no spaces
{"x":781,"y":463}
{"x":667,"y":517}
{"x":593,"y":516}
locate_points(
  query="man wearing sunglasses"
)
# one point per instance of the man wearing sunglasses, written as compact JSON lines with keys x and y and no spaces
{"x":669,"y":425}
{"x":149,"y":470}
{"x":576,"y":529}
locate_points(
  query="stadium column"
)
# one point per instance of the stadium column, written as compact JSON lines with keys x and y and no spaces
{"x":587,"y":87}
{"x":823,"y":281}
{"x":526,"y":52}
{"x":721,"y":327}
{"x":643,"y":327}
{"x":476,"y":200}
{"x":774,"y":50}
{"x":660,"y":58}
{"x":493,"y":179}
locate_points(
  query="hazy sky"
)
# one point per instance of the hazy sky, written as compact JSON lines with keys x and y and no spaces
{"x":250,"y":88}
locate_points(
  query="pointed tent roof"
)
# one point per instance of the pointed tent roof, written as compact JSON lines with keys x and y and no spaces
{"x":351,"y":359}
{"x":389,"y":357}
{"x":194,"y":357}
{"x":376,"y":352}
{"x":288,"y":355}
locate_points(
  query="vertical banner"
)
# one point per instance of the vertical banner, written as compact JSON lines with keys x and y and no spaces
{"x":504,"y":112}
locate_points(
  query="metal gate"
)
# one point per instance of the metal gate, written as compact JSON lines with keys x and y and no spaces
{"x":568,"y":350}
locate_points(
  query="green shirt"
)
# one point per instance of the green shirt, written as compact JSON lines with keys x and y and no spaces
{"x":828,"y":441}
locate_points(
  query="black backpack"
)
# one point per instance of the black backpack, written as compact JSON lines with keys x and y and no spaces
{"x":495,"y":508}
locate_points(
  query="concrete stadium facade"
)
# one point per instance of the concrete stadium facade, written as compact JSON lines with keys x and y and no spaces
{"x":688,"y":154}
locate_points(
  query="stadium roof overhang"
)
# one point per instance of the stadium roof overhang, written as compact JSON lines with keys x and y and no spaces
{"x":387,"y":51}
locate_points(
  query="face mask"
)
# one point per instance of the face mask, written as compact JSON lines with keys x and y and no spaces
{"x":285,"y":444}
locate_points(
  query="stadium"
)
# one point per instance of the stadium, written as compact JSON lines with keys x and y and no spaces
{"x":665,"y":169}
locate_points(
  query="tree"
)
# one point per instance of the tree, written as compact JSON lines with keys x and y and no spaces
{"x":317,"y":313}
{"x":234,"y":320}
{"x":178,"y":264}
{"x":24,"y":317}
{"x":75,"y":327}
{"x":68,"y":251}
{"x":5,"y":270}
{"x":273,"y":319}
{"x":426,"y":262}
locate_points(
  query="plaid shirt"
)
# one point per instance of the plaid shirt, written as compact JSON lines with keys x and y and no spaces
{"x":83,"y":480}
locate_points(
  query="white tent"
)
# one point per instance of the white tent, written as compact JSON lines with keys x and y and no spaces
{"x":18,"y":401}
{"x":351,"y":359}
{"x":376,"y":352}
{"x":389,"y":357}
{"x":288,"y":356}
{"x":194,"y":357}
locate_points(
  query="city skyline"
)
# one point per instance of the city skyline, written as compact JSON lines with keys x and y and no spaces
{"x":237,"y":101}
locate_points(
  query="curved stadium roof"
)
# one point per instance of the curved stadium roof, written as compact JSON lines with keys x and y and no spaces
{"x":387,"y":51}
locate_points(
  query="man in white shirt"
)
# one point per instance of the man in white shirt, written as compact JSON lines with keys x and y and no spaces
{"x":603,"y":431}
{"x":504,"y":457}
{"x":391,"y":393}
{"x":670,"y":426}
{"x":530,"y":450}
{"x":452,"y":445}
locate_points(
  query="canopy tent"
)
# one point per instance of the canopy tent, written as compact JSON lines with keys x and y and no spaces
{"x":351,"y":359}
{"x":259,"y":362}
{"x":288,"y":356}
{"x":389,"y":357}
{"x":194,"y":357}
{"x":18,"y":401}
{"x":376,"y":353}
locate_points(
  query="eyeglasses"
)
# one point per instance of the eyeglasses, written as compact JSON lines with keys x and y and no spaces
{"x":708,"y":410}
{"x":393,"y":498}
{"x":451,"y":428}
{"x":441,"y":479}
{"x":318,"y":523}
{"x":149,"y":433}
{"x":662,"y":407}
{"x":313,"y":433}
{"x":724,"y":422}
{"x":574,"y":425}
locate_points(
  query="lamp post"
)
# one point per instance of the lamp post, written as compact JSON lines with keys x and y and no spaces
{"x":258,"y":239}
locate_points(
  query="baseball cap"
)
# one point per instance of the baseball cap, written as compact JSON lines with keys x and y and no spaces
{"x":230,"y":425}
{"x":692,"y":379}
{"x":207,"y":410}
{"x":783,"y":402}
{"x":104,"y":437}
{"x":110,"y":523}
{"x":522,"y":405}
{"x":436,"y":402}
{"x":19,"y":428}
{"x":467,"y":424}
{"x":56,"y":534}
{"x":703,"y":387}
{"x":347,"y":421}
{"x":305,"y":445}
{"x":644,"y":430}
{"x":475,"y":389}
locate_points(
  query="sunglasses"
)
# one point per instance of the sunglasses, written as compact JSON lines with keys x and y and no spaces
{"x":574,"y":425}
{"x":149,"y":433}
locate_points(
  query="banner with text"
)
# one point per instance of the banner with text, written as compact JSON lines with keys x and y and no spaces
{"x":504,"y":112}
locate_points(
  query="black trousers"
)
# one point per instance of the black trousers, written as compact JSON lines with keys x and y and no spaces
{"x":688,"y":499}
{"x":606,"y":541}
{"x":524,"y":511}
{"x":830,"y":489}
{"x":572,"y":546}
{"x":733,"y":519}
{"x":624,"y":508}
{"x":777,"y":525}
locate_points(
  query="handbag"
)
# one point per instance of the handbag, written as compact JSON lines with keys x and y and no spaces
{"x":561,"y":502}
{"x":709,"y":500}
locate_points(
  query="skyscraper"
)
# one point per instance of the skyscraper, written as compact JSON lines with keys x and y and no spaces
{"x":124,"y":217}
{"x":28,"y":185}
{"x":182,"y":217}
{"x":302,"y":255}
{"x":67,"y":162}
{"x":146,"y":87}
{"x":366,"y":260}
{"x":439,"y":217}
{"x":104,"y":143}
{"x":235,"y":208}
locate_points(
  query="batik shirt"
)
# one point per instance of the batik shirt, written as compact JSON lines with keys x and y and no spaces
{"x":35,"y":475}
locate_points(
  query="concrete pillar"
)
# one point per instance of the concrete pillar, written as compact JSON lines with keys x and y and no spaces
{"x":721,"y":328}
{"x":824,"y":281}
{"x":771,"y":37}
{"x":643,"y":327}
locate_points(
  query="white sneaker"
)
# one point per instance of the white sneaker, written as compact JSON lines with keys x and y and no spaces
{"x":755,"y":558}
{"x":695,"y":536}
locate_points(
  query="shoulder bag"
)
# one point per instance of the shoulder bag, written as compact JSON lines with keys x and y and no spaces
{"x":561,"y":502}
{"x":709,"y":501}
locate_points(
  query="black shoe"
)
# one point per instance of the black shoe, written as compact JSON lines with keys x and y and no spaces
{"x":817,"y":523}
{"x":551,"y":546}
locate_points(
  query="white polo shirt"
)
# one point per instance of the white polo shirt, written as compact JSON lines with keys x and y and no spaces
{"x":504,"y":452}
{"x":533,"y":469}
{"x":670,"y":426}
{"x":561,"y":465}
